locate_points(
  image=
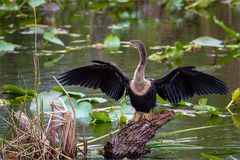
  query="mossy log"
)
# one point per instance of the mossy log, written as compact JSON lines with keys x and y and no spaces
{"x":130,"y":141}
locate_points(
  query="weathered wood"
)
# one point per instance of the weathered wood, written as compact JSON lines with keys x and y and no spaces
{"x":130,"y":141}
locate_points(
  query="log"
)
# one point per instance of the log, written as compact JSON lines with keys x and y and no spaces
{"x":130,"y":141}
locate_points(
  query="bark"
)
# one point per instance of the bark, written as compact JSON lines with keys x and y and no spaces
{"x":130,"y":141}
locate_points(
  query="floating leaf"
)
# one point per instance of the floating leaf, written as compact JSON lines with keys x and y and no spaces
{"x":76,"y":94}
{"x":211,"y":157}
{"x":33,"y":30}
{"x":100,"y":117}
{"x":202,"y":101}
{"x":115,"y":115}
{"x":155,"y":57}
{"x":202,"y":106}
{"x":15,"y":90}
{"x":10,"y":7}
{"x":83,"y":109}
{"x":52,"y":62}
{"x":93,"y":100}
{"x":35,"y":3}
{"x":112,"y":42}
{"x":49,"y":36}
{"x":44,"y":100}
{"x":208,"y":41}
{"x":6,"y":47}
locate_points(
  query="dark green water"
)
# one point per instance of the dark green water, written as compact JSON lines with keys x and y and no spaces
{"x":154,"y":27}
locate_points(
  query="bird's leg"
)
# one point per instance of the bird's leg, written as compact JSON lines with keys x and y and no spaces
{"x":136,"y":116}
{"x":148,"y":116}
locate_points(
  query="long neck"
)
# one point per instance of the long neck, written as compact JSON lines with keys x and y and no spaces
{"x":139,"y":74}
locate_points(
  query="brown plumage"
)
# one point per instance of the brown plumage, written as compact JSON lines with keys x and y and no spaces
{"x":180,"y":84}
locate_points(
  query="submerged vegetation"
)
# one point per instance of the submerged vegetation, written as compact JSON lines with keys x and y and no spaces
{"x":39,"y":121}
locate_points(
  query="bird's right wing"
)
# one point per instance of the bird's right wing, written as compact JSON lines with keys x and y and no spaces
{"x":106,"y":76}
{"x":184,"y":82}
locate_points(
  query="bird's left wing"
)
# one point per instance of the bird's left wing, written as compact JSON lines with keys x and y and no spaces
{"x":106,"y":76}
{"x":184,"y":82}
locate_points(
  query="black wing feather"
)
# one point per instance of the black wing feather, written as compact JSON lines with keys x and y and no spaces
{"x":106,"y":76}
{"x":184,"y":82}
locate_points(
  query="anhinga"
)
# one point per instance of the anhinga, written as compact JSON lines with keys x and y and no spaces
{"x":179,"y":84}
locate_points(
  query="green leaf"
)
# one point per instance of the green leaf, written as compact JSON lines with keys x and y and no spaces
{"x":57,"y":89}
{"x":236,"y":96}
{"x":155,"y":57}
{"x":6,"y":47}
{"x":112,"y":42}
{"x":100,"y":117}
{"x":76,"y":94}
{"x":49,"y":36}
{"x":35,"y":3}
{"x":174,"y":5}
{"x":160,"y":135}
{"x":202,"y":106}
{"x":211,"y":157}
{"x":229,"y":31}
{"x":93,"y":100}
{"x":52,"y":62}
{"x":83,"y":109}
{"x":202,"y":101}
{"x":10,"y":6}
{"x":15,"y":90}
{"x":115,"y":115}
{"x":207,"y":41}
{"x":33,"y":30}
{"x":44,"y":100}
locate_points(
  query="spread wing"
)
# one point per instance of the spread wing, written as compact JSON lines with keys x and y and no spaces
{"x":106,"y":76}
{"x":184,"y":82}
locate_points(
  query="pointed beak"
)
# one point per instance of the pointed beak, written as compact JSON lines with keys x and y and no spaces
{"x":125,"y":42}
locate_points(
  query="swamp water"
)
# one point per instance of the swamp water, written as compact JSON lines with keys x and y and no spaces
{"x":153,"y":27}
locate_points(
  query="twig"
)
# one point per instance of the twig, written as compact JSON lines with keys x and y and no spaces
{"x":98,"y":138}
{"x":71,"y":103}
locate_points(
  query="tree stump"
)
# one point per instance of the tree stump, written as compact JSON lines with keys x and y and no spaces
{"x":130,"y":141}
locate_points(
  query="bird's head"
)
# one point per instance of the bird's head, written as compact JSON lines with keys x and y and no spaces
{"x":134,"y":43}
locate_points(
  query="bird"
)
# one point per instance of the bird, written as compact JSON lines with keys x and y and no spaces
{"x":180,"y":84}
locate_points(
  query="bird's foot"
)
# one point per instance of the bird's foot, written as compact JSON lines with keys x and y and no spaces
{"x":136,"y":117}
{"x":148,"y":116}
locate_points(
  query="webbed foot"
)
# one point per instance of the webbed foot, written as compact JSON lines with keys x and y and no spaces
{"x":136,"y":117}
{"x":148,"y":116}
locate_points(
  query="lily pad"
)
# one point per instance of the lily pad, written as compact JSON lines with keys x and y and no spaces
{"x":208,"y":41}
{"x":49,"y":36}
{"x":202,"y":106}
{"x":83,"y":109}
{"x":76,"y":94}
{"x":52,"y":62}
{"x":45,"y":99}
{"x":32,"y":30}
{"x":6,"y":46}
{"x":100,"y":117}
{"x":112,"y":42}
{"x":93,"y":100}
{"x":35,"y":3}
{"x":15,"y":90}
